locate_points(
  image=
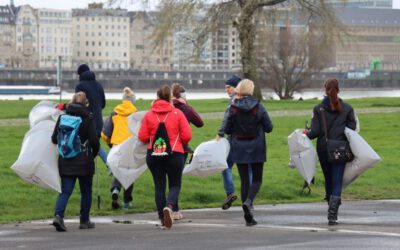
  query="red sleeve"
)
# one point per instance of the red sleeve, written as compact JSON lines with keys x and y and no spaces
{"x":144,"y":133}
{"x":185,"y":130}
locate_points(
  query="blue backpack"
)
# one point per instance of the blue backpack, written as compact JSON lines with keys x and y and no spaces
{"x":69,"y":141}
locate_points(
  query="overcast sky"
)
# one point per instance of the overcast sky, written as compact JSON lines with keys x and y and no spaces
{"x":69,"y":4}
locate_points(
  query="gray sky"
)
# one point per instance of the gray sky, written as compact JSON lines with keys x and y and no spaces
{"x":69,"y":4}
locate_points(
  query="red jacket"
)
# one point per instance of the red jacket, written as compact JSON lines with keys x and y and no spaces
{"x":176,"y":124}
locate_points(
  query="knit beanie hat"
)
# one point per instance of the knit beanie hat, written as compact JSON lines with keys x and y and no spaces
{"x":129,"y":95}
{"x":83,"y":68}
{"x":233,"y":81}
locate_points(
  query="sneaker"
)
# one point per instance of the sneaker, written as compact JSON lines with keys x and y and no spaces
{"x":178,"y":215}
{"x":114,"y":198}
{"x":127,"y":205}
{"x":58,"y":223}
{"x":87,"y":225}
{"x":248,"y":215}
{"x":168,"y":217}
{"x":228,"y":201}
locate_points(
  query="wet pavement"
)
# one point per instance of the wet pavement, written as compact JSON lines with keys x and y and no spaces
{"x":363,"y":225}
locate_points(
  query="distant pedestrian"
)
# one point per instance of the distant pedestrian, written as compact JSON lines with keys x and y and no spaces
{"x":247,"y":123}
{"x":338,"y":115}
{"x":97,"y":100}
{"x":115,"y":131}
{"x":79,"y":167}
{"x":180,"y":102}
{"x":166,"y":129}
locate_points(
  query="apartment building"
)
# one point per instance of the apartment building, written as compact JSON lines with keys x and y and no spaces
{"x":362,"y":3}
{"x":374,"y":36}
{"x":101,"y":37}
{"x":225,"y":49}
{"x":144,"y":55}
{"x":27,"y":37}
{"x":7,"y":36}
{"x":55,"y":30}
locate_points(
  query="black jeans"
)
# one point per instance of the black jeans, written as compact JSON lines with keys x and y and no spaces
{"x":162,"y":168}
{"x":247,"y":190}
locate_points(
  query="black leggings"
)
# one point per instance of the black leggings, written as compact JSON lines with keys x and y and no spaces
{"x":248,"y":191}
{"x":161,"y":168}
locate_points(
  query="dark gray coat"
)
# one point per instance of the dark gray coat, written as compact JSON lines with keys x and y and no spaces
{"x":336,"y":123}
{"x":249,"y":151}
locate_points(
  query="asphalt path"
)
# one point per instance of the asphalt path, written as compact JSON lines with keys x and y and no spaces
{"x":363,"y":225}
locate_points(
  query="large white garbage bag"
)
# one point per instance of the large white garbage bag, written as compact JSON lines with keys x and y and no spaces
{"x":37,"y":162}
{"x":127,"y":161}
{"x":364,"y":157}
{"x":209,"y":158}
{"x":302,"y":154}
{"x":44,"y":110}
{"x":135,"y":121}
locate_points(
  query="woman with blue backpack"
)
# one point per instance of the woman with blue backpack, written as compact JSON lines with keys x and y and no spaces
{"x":78,"y":144}
{"x":247,"y":123}
{"x":166,"y":129}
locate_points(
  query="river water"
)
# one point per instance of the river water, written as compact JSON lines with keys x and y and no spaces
{"x":213,"y":94}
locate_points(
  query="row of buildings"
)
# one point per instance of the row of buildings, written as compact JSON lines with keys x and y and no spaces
{"x":117,"y":39}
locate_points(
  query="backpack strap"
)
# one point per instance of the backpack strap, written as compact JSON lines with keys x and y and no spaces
{"x":164,"y":118}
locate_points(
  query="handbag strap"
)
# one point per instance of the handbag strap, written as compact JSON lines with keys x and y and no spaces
{"x":325,"y":124}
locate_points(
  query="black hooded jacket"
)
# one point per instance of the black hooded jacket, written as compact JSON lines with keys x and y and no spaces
{"x":95,"y":94}
{"x":82,"y":164}
{"x":336,"y":123}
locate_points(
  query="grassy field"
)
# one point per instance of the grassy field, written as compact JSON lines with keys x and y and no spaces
{"x":21,"y":109}
{"x":22,"y":201}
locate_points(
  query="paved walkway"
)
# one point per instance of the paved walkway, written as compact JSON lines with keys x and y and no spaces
{"x":219,"y":115}
{"x":363,"y":225}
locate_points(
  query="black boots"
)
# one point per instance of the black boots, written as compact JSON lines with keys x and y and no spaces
{"x":248,"y":214}
{"x":334,"y":203}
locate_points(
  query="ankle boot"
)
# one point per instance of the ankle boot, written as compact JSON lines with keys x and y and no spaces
{"x":334,"y":203}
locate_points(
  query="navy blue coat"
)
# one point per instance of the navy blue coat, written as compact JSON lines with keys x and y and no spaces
{"x":249,"y":151}
{"x":95,"y":94}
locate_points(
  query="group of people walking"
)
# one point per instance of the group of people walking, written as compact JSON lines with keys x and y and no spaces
{"x":166,"y":130}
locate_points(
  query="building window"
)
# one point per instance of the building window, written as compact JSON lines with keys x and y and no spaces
{"x":87,"y":53}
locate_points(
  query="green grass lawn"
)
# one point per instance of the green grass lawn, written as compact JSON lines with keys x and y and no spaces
{"x":22,"y":201}
{"x":21,"y":109}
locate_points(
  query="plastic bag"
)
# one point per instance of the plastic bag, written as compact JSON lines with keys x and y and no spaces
{"x":127,"y":161}
{"x":302,"y":154}
{"x":135,"y":121}
{"x":209,"y":158}
{"x":44,"y":110}
{"x":364,"y":157}
{"x":37,"y":162}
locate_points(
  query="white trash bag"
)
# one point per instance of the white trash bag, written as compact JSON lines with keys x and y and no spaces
{"x":135,"y":121}
{"x":364,"y":157}
{"x":302,"y":154}
{"x":127,"y":161}
{"x":37,"y":162}
{"x":44,"y":110}
{"x":209,"y":158}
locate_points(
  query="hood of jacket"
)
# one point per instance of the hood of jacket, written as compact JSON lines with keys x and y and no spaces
{"x":125,"y":108}
{"x":87,"y":76}
{"x":245,"y":103}
{"x":161,"y":106}
{"x":77,"y":109}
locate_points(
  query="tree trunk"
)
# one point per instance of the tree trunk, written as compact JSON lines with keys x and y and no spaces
{"x":246,"y":30}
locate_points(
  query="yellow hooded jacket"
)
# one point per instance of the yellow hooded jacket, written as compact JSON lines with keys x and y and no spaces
{"x":115,"y":129}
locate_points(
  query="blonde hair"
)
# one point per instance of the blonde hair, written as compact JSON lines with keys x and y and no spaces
{"x":128,"y":92}
{"x":80,"y":97}
{"x":245,"y":87}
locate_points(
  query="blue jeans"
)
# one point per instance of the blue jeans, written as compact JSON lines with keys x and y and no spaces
{"x":227,"y":176}
{"x":67,"y":186}
{"x":333,"y":174}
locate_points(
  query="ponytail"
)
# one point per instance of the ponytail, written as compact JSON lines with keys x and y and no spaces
{"x":164,"y":93}
{"x":332,"y":90}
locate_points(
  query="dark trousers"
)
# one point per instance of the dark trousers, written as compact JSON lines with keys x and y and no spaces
{"x":176,"y":205}
{"x":127,"y":192}
{"x":249,"y":190}
{"x":333,"y":174}
{"x":67,"y":187}
{"x":162,"y":168}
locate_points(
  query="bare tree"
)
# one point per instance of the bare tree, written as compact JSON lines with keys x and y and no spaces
{"x":289,"y":54}
{"x":241,"y":13}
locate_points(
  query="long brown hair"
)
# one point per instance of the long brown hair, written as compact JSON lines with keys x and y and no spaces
{"x":177,"y":89}
{"x":164,"y":93}
{"x":332,"y":90}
